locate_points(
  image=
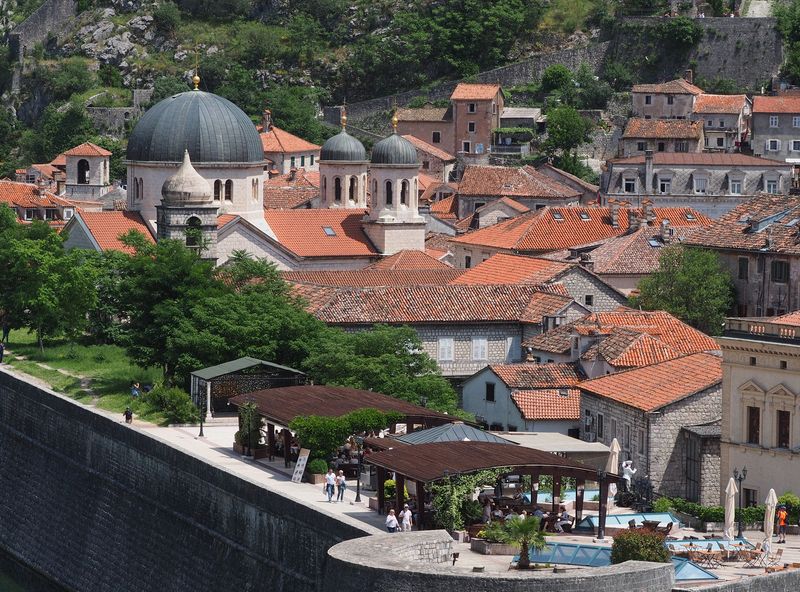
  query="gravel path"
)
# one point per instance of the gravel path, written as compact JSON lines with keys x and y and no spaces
{"x":759,"y":8}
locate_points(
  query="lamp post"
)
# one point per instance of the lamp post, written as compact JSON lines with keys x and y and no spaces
{"x":202,"y":416}
{"x":360,"y":442}
{"x":739,"y":477}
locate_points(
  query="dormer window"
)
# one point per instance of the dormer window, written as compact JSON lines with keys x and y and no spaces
{"x":584,"y":216}
{"x":557,"y":216}
{"x":629,"y":185}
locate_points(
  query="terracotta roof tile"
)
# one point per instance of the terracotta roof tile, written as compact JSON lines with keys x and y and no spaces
{"x":502,"y":268}
{"x":225,"y":219}
{"x":292,"y":190}
{"x":531,"y":376}
{"x":776,"y":104}
{"x":27,"y":195}
{"x":303,"y":232}
{"x":425,"y":114}
{"x":426,"y":181}
{"x":477,"y":92}
{"x":429,"y":148}
{"x":673,"y":87}
{"x":87,"y":149}
{"x":626,"y":348}
{"x":435,"y":304}
{"x":364,"y":278}
{"x":651,"y":387}
{"x":793,"y":319}
{"x":59,"y":161}
{"x":107,"y":227}
{"x":721,"y":159}
{"x":411,"y":260}
{"x":500,"y":181}
{"x":766,"y":220}
{"x":561,"y":173}
{"x":555,"y":228}
{"x":278,"y":140}
{"x":719,"y":103}
{"x":638,"y":127}
{"x":438,"y":242}
{"x":446,"y":209}
{"x":511,"y":203}
{"x":47,"y":170}
{"x":448,"y":187}
{"x":548,"y":404}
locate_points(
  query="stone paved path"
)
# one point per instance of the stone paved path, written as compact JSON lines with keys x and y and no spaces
{"x":759,"y":8}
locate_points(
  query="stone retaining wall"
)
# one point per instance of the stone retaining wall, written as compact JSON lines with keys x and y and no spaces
{"x":784,"y":581}
{"x":48,"y":19}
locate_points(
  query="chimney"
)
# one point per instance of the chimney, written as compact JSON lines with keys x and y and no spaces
{"x":666,"y":232}
{"x":292,"y":173}
{"x":634,"y":221}
{"x":613,"y":206}
{"x":649,"y":213}
{"x":688,"y":76}
{"x":529,"y":355}
{"x":266,"y":120}
{"x":648,"y":171}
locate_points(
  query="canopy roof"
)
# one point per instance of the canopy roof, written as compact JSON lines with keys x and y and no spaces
{"x":451,"y":432}
{"x":554,"y":442}
{"x":281,"y":405}
{"x":432,"y":462}
{"x":237,"y":365}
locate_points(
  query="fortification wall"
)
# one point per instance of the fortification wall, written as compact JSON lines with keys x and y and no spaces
{"x":48,"y":19}
{"x":98,"y":506}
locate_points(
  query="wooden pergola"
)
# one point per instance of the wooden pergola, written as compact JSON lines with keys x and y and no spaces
{"x":279,"y":406}
{"x":428,"y":463}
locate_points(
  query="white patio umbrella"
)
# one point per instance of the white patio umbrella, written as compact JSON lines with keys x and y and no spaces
{"x":612,"y":466}
{"x":730,"y":509}
{"x":769,"y":516}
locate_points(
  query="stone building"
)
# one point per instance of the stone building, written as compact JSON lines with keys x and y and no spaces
{"x":525,"y":398}
{"x":758,"y":243}
{"x":497,"y":211}
{"x":661,"y":135}
{"x":589,"y":191}
{"x":646,"y":409}
{"x":36,"y":202}
{"x":776,"y":127}
{"x":668,"y":100}
{"x":87,"y":169}
{"x":726,"y":121}
{"x":286,"y":151}
{"x":711,"y":184}
{"x":760,"y":396}
{"x":433,"y":160}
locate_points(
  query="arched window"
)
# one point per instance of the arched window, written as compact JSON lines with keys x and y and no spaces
{"x":217,"y":190}
{"x":353,"y":188}
{"x":193,"y":232}
{"x":324,"y":189}
{"x":134,"y":188}
{"x":83,"y":171}
{"x":388,"y":193}
{"x":228,"y":190}
{"x":374,"y":193}
{"x":255,"y":189}
{"x":404,"y":193}
{"x":140,"y":191}
{"x":337,"y":189}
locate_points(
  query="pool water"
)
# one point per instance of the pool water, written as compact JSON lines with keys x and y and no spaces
{"x":566,"y":496}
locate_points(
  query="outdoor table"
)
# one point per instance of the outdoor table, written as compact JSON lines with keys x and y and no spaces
{"x":650,"y":524}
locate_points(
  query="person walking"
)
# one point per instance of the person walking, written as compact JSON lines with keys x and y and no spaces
{"x":128,"y":415}
{"x":330,"y":483}
{"x":2,"y":351}
{"x":406,"y":519}
{"x":391,"y":522}
{"x":782,"y":517}
{"x":341,"y":486}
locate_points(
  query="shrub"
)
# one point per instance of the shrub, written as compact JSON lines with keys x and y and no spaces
{"x":662,"y":504}
{"x":390,"y":489}
{"x":635,"y":545}
{"x":317,"y":466}
{"x":173,"y":402}
{"x":167,"y":18}
{"x":556,"y":77}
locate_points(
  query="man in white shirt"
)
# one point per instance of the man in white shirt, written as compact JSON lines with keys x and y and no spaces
{"x":405,"y":518}
{"x":330,"y":483}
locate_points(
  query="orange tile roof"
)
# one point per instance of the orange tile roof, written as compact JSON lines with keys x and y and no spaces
{"x":500,"y":181}
{"x":548,"y":404}
{"x":793,"y":319}
{"x":530,"y":376}
{"x":673,"y":87}
{"x":446,"y":209}
{"x":651,"y":387}
{"x":302,"y":232}
{"x":475,"y":92}
{"x":47,"y":170}
{"x":513,"y":204}
{"x":429,"y":148}
{"x":292,"y":190}
{"x":776,"y":104}
{"x":59,"y":161}
{"x":278,"y":140}
{"x":28,"y":195}
{"x":87,"y":149}
{"x":408,"y":259}
{"x":107,"y":227}
{"x":224,"y":219}
{"x":449,"y":187}
{"x":364,"y":278}
{"x":426,"y":181}
{"x":502,"y":268}
{"x":702,"y":159}
{"x":719,"y":103}
{"x":555,"y":228}
{"x":626,"y":348}
{"x":639,"y":127}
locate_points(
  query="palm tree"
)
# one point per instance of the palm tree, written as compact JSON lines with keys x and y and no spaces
{"x":525,"y":534}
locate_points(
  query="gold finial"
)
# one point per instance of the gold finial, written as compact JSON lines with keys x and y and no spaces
{"x":196,"y":77}
{"x":394,"y":121}
{"x":344,"y":116}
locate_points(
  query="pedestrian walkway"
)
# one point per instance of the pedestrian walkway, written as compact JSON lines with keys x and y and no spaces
{"x":759,"y":8}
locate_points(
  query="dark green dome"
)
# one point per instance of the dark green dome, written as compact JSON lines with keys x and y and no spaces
{"x":343,"y":148}
{"x":394,"y":150}
{"x":211,"y":128}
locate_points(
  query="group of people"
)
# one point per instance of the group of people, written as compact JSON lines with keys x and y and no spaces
{"x":559,"y":520}
{"x":401,"y":522}
{"x":335,"y":482}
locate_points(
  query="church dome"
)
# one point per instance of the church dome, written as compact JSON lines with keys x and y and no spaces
{"x":394,"y":150}
{"x":343,"y":148}
{"x":186,"y":186}
{"x":211,"y":128}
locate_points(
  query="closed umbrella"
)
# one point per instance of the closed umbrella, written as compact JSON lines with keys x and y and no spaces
{"x":730,"y":509}
{"x":769,"y":516}
{"x":612,"y":466}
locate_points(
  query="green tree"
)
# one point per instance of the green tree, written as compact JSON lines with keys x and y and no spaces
{"x":452,"y":496}
{"x":110,"y":76}
{"x":566,"y":130}
{"x":71,"y":77}
{"x":556,"y":77}
{"x":637,"y":545}
{"x":167,"y":18}
{"x":526,"y":534}
{"x":167,"y":86}
{"x":690,"y":284}
{"x":294,"y":109}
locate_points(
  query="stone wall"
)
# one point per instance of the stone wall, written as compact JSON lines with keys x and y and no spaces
{"x":787,"y":581}
{"x":48,"y":20}
{"x":413,"y":561}
{"x":111,"y":120}
{"x":98,"y":506}
{"x":580,"y":284}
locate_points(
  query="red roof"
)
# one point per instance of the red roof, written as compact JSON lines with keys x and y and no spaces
{"x":651,"y":387}
{"x":500,"y":181}
{"x":411,"y":260}
{"x":531,"y":376}
{"x":303,"y":232}
{"x":86,"y":149}
{"x":626,"y":348}
{"x":776,"y":104}
{"x":107,"y":227}
{"x":638,"y":127}
{"x":224,"y":219}
{"x":475,"y":92}
{"x":555,"y":228}
{"x":549,"y":403}
{"x":59,"y":161}
{"x":502,"y":268}
{"x":278,"y":140}
{"x":28,"y":195}
{"x":446,"y":209}
{"x":429,"y":148}
{"x":793,"y":319}
{"x":722,"y":159}
{"x":363,"y":278}
{"x":673,"y":87}
{"x":719,"y":103}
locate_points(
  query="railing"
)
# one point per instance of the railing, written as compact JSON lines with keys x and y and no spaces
{"x":759,"y":328}
{"x":521,"y":149}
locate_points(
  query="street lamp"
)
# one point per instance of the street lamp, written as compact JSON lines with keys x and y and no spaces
{"x":202,"y":416}
{"x":360,"y":442}
{"x":423,"y":401}
{"x":739,"y":477}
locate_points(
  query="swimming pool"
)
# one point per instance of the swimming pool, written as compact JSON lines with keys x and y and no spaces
{"x":546,"y":497}
{"x":622,"y":520}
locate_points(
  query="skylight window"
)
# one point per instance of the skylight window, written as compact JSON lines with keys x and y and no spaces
{"x":654,"y":243}
{"x":557,"y":216}
{"x":328,"y":231}
{"x":584,"y":216}
{"x":690,"y":216}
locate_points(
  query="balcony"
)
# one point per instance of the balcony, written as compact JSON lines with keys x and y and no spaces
{"x":511,"y":149}
{"x":761,"y":330}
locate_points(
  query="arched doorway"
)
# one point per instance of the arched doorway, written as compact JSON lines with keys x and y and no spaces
{"x":83,"y":172}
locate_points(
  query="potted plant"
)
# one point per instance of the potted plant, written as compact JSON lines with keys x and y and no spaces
{"x":315,"y":471}
{"x":525,"y":534}
{"x":490,"y":541}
